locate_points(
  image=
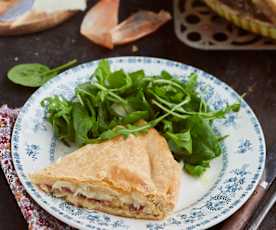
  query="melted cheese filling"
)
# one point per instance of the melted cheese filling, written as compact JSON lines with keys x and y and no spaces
{"x":109,"y":197}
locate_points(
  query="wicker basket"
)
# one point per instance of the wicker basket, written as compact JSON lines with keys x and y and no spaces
{"x":244,"y":21}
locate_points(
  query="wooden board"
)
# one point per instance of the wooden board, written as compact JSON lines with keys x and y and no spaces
{"x":35,"y":24}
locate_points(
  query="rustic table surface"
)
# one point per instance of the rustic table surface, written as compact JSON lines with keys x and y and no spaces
{"x":251,"y":72}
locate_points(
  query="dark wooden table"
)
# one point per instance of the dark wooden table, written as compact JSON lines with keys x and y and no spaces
{"x":251,"y":72}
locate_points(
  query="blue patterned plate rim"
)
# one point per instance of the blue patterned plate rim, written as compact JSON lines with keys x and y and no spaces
{"x":192,"y":220}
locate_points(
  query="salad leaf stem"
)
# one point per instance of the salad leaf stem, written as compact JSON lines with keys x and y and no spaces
{"x":115,"y":96}
{"x":171,"y":112}
{"x":61,"y":67}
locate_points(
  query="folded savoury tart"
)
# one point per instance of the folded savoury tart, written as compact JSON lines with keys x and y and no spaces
{"x":133,"y":177}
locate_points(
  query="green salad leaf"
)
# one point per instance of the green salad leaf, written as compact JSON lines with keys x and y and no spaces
{"x":82,"y":122}
{"x":117,"y":103}
{"x":35,"y":75}
{"x":180,"y":142}
{"x":195,"y":170}
{"x":59,"y":114}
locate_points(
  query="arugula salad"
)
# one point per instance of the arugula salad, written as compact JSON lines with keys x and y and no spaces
{"x":120,"y":103}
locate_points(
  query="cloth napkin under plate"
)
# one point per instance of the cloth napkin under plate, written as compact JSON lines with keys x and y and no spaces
{"x":36,"y":217}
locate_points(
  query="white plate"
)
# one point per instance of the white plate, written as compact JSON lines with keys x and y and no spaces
{"x":202,"y":202}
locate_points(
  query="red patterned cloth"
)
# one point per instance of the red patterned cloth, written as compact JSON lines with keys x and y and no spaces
{"x":36,"y":217}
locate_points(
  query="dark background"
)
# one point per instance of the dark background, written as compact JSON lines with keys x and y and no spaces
{"x":246,"y":71}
